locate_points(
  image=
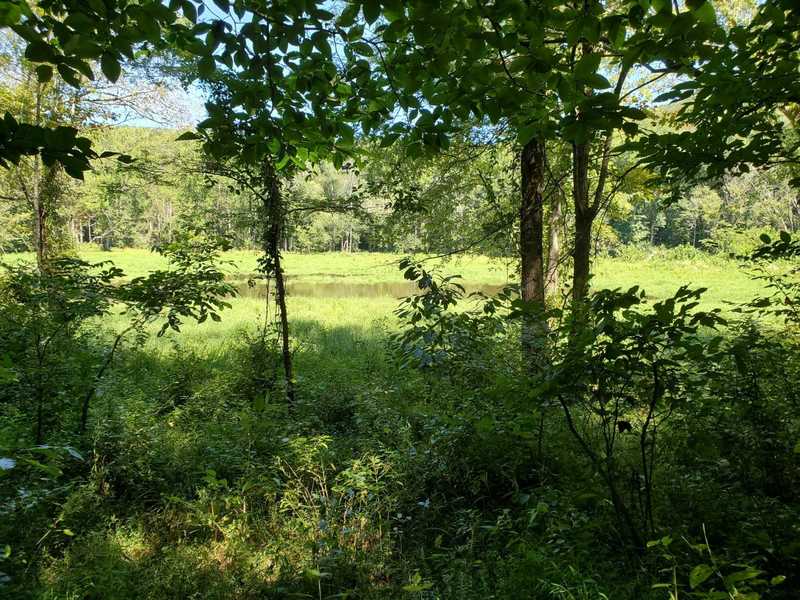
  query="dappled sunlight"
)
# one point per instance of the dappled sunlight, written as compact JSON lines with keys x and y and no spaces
{"x":436,"y":300}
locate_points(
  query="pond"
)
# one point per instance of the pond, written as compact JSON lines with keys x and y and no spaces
{"x":337,"y":289}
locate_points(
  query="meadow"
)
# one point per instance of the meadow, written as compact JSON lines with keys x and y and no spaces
{"x":341,"y":304}
{"x":359,"y":291}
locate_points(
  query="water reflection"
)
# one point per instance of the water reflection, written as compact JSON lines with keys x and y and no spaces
{"x":336,"y":289}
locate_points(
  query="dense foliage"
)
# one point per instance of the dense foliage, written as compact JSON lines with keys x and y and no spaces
{"x":194,"y":428}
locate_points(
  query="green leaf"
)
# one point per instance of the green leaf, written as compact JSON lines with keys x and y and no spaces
{"x":417,"y":585}
{"x":587,"y":65}
{"x":98,"y":6}
{"x":597,"y":81}
{"x":82,"y":67}
{"x":363,"y":49}
{"x":69,"y":75}
{"x":69,"y":532}
{"x":372,"y":10}
{"x":705,"y":14}
{"x":389,"y":139}
{"x":662,"y":6}
{"x":348,"y":16}
{"x":39,"y":52}
{"x":527,"y":133}
{"x":189,"y":11}
{"x":9,"y":14}
{"x":617,"y":35}
{"x":743,"y":575}
{"x":110,"y":67}
{"x":206,"y":66}
{"x":44,"y":73}
{"x":699,"y":574}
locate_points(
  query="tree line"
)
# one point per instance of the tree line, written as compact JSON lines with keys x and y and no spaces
{"x":467,"y":111}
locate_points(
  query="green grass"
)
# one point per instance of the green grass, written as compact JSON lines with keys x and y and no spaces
{"x":660,"y":277}
{"x":658,"y":273}
{"x":341,"y":302}
{"x":361,"y":267}
{"x":357,"y":292}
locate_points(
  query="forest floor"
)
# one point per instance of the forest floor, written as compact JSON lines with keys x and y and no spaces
{"x":197,"y":494}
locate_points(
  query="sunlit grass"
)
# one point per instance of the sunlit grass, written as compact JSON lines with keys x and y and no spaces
{"x":370,"y":305}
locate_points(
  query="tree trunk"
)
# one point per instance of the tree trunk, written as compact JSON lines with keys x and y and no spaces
{"x":584,"y":218}
{"x":531,"y":233}
{"x":553,"y":246}
{"x":586,"y":208}
{"x":39,"y":224}
{"x":273,"y":222}
{"x":39,"y":214}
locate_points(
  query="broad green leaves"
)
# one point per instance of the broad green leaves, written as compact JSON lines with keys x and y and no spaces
{"x":11,"y":12}
{"x":111,"y":67}
{"x":731,"y":122}
{"x":73,"y":38}
{"x":699,"y":574}
{"x":372,"y":10}
{"x":72,"y":34}
{"x":505,"y":63}
{"x":278,"y":93}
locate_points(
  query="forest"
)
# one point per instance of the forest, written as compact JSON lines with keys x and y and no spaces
{"x":425,"y":299}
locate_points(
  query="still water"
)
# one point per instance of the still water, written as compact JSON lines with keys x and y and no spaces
{"x":336,"y":289}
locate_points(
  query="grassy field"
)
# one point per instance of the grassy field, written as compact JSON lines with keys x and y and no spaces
{"x":340,"y":305}
{"x":354,"y":294}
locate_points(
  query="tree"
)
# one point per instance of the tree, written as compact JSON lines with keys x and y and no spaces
{"x":738,"y":108}
{"x":458,"y":200}
{"x":44,"y":314}
{"x":540,"y":73}
{"x":279,"y":102}
{"x":84,"y":106}
{"x":77,"y":37}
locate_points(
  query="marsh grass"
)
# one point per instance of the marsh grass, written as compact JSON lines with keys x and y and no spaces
{"x":359,"y":289}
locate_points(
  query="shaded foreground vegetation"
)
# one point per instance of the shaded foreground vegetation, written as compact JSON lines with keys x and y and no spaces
{"x":456,"y":476}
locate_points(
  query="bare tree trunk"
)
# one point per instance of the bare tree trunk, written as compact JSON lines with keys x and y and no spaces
{"x":39,"y":224}
{"x":531,"y":233}
{"x":584,"y":217}
{"x":273,"y":222}
{"x":45,"y":199}
{"x":587,"y":207}
{"x":39,"y":213}
{"x":553,"y":246}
